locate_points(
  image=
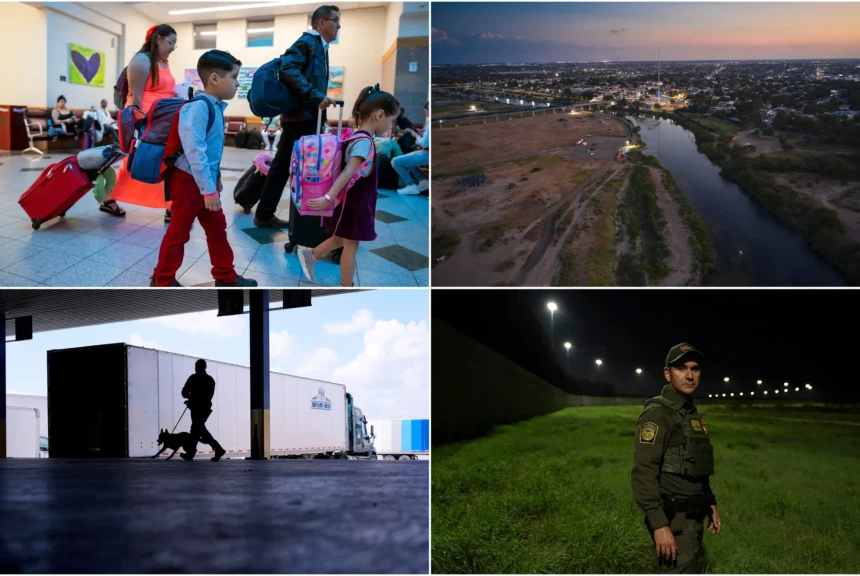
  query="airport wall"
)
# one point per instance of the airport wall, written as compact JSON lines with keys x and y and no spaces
{"x":482,"y":389}
{"x":24,"y":44}
{"x":359,"y":49}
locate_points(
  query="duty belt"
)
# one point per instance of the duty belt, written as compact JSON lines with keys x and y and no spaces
{"x":693,"y":507}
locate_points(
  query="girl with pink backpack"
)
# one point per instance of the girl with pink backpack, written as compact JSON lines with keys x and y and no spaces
{"x":354,"y":191}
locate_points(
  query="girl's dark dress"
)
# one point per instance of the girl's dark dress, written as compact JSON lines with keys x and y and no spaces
{"x":355,"y":217}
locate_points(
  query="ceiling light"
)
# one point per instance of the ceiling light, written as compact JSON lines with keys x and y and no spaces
{"x":238,"y":7}
{"x":213,"y":33}
{"x":257,"y":30}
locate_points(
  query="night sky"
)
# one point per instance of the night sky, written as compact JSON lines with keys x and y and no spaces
{"x":798,"y":336}
{"x":541,"y":32}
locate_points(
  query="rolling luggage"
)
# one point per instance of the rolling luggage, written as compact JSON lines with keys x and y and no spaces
{"x":56,"y":190}
{"x":308,"y":230}
{"x":60,"y":185}
{"x":250,"y":185}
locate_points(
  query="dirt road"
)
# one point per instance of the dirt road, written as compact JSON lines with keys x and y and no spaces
{"x":677,"y":236}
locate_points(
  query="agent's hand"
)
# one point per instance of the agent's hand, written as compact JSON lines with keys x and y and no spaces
{"x":212,"y":202}
{"x":714,"y":521}
{"x":326,"y":102}
{"x":320,"y":203}
{"x":664,"y":543}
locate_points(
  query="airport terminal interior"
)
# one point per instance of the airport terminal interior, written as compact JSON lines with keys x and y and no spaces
{"x":385,"y":43}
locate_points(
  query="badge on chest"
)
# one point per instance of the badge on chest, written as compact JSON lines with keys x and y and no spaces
{"x":699,"y":426}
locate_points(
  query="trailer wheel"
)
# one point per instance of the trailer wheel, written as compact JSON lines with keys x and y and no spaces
{"x":405,"y":457}
{"x":389,"y":457}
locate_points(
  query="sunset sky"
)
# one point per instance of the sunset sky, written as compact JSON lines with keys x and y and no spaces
{"x":494,"y":32}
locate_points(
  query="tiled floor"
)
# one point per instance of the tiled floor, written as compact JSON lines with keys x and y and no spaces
{"x":90,"y":248}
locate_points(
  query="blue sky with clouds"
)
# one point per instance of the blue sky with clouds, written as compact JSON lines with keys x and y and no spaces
{"x":377,"y":343}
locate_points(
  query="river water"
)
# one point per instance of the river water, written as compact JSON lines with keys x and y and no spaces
{"x":753,"y":248}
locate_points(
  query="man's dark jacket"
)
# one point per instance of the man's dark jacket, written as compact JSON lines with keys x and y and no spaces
{"x":305,"y":77}
{"x":199,"y":389}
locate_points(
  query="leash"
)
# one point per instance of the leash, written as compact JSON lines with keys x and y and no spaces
{"x":180,"y":418}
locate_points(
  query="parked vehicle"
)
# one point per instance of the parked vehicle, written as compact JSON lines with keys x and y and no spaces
{"x":137,"y":391}
{"x":22,"y":432}
{"x":400,"y":439}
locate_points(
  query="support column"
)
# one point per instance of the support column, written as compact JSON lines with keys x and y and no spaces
{"x":260,"y":427}
{"x":3,"y":385}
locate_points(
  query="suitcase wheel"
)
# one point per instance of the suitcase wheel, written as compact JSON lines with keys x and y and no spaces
{"x":336,"y":257}
{"x":247,"y":210}
{"x":62,"y":214}
{"x":36,"y":223}
{"x":289,"y":248}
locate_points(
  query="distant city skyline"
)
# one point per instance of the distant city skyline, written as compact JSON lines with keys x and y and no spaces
{"x":539,"y":32}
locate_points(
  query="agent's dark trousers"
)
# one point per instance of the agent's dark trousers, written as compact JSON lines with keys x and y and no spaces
{"x":279,"y":171}
{"x":199,"y":431}
{"x":688,"y":537}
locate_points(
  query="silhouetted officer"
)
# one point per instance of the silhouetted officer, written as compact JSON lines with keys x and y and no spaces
{"x":199,"y":390}
{"x":673,"y":463}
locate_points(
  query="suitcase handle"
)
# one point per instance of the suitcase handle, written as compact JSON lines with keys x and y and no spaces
{"x":339,"y":105}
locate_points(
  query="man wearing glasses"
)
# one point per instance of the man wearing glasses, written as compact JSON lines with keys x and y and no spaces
{"x":305,"y":72}
{"x":673,"y":462}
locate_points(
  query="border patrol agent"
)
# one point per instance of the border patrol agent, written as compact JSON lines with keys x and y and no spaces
{"x":673,"y":461}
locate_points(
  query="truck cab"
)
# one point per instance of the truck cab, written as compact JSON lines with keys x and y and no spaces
{"x":360,"y":442}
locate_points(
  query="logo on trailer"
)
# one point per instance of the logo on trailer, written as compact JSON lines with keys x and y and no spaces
{"x":320,"y":402}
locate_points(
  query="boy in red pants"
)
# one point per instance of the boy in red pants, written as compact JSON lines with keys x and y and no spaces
{"x":194,"y":182}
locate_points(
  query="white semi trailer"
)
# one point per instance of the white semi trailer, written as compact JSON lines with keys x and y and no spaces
{"x":400,"y":439}
{"x":22,"y":432}
{"x":118,"y":410}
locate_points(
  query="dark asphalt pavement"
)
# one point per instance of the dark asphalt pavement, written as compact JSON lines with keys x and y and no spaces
{"x":276,"y":516}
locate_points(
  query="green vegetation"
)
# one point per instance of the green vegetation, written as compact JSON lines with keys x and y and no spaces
{"x":561,"y":225}
{"x":601,"y":256}
{"x":552,"y":495}
{"x":505,"y":266}
{"x":566,"y":273}
{"x":643,"y":222}
{"x":444,"y":245}
{"x":489,"y":237}
{"x":715,"y":124}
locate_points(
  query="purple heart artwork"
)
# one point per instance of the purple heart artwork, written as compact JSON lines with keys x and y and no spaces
{"x":87,"y":67}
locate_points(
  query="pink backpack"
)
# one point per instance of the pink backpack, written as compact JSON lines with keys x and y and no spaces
{"x":316,"y":163}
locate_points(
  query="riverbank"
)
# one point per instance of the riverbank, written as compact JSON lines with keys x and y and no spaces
{"x":818,"y":225}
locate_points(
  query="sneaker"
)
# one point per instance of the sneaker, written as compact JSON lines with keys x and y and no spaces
{"x":174,"y":285}
{"x":268,"y":148}
{"x":410,"y":190}
{"x":218,"y":454}
{"x":273,"y":222}
{"x":167,"y":216}
{"x":308,"y":262}
{"x":239,"y":282}
{"x":424,"y":186}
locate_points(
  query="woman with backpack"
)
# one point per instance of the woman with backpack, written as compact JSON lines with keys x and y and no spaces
{"x":149,"y":78}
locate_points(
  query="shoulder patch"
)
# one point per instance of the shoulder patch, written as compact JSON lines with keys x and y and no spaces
{"x":648,"y":433}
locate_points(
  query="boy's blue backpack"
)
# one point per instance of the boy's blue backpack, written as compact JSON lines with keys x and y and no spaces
{"x":269,"y":96}
{"x":151,"y":140}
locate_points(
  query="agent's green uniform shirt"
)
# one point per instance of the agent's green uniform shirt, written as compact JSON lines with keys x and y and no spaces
{"x":672,"y":457}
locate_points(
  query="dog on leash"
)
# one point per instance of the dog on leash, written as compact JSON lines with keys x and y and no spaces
{"x":174,"y":442}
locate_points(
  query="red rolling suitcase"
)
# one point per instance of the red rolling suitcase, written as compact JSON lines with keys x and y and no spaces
{"x":55,"y":191}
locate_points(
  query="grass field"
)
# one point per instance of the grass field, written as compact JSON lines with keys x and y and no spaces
{"x":553,"y":494}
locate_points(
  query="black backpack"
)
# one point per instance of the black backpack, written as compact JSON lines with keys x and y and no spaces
{"x":255,"y":140}
{"x":240,"y":140}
